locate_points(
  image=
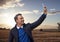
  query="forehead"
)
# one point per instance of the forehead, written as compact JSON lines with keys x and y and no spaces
{"x":19,"y":16}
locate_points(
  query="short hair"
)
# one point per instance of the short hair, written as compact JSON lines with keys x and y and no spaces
{"x":17,"y":16}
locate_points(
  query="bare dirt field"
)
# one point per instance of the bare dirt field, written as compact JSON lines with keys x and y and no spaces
{"x":39,"y":36}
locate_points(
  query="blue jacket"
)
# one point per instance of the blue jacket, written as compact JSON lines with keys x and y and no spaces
{"x":13,"y":35}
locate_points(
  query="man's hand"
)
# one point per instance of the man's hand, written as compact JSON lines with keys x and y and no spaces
{"x":45,"y":10}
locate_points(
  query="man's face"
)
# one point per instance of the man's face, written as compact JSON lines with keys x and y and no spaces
{"x":20,"y":19}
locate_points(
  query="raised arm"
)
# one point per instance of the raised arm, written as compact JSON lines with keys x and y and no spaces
{"x":40,"y":20}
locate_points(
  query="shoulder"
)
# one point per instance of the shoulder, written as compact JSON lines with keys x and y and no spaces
{"x":28,"y":24}
{"x":11,"y":30}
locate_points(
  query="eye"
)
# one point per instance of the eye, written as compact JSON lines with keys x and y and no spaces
{"x":21,"y":18}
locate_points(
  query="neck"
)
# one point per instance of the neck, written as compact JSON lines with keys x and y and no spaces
{"x":19,"y":25}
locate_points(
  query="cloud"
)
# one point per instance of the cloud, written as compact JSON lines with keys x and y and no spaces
{"x":10,"y":3}
{"x":53,"y":9}
{"x":29,"y":12}
{"x":26,"y":12}
{"x":35,"y":11}
{"x":2,"y":2}
{"x":54,"y":12}
{"x":21,"y":5}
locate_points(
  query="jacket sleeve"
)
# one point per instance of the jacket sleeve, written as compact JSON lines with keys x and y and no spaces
{"x":10,"y":37}
{"x":38,"y":22}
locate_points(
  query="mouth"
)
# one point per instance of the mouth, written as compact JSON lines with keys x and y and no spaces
{"x":22,"y":21}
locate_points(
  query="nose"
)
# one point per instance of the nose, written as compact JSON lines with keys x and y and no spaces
{"x":22,"y":19}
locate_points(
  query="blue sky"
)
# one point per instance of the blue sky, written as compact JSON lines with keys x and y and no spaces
{"x":30,"y":9}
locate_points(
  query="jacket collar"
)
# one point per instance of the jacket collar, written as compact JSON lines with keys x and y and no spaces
{"x":19,"y":27}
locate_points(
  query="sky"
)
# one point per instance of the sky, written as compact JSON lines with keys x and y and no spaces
{"x":31,"y":11}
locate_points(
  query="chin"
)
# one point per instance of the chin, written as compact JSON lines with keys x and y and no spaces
{"x":22,"y":23}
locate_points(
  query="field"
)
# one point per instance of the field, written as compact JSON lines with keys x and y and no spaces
{"x":39,"y":36}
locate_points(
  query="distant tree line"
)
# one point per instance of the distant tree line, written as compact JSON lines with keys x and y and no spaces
{"x":58,"y":26}
{"x":2,"y":28}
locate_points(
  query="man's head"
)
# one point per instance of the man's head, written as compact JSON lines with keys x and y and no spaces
{"x":19,"y":19}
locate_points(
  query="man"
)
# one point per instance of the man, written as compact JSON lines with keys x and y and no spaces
{"x":23,"y":32}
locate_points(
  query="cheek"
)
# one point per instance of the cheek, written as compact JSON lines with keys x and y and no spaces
{"x":18,"y":20}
